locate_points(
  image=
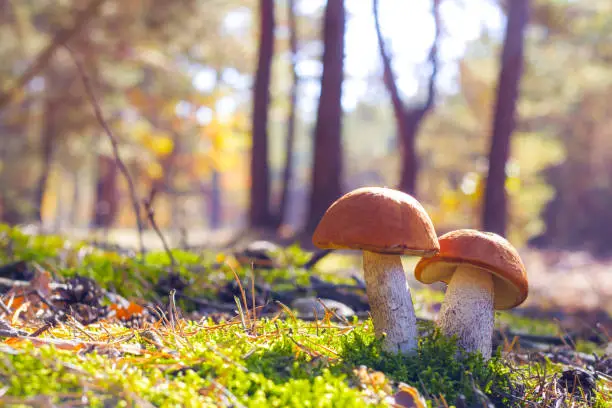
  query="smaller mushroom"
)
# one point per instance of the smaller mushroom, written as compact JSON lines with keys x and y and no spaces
{"x":483,"y":272}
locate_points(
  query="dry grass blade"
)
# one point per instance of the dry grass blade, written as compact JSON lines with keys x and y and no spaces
{"x":287,"y":311}
{"x":241,"y":314}
{"x":172,"y":309}
{"x":243,"y":295}
{"x":254,"y":326}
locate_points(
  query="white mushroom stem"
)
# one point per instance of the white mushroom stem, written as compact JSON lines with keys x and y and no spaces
{"x":467,"y":311}
{"x":390,"y":301}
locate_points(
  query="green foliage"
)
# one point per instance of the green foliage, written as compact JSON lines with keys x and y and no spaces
{"x":37,"y":373}
{"x":134,"y":277}
{"x":437,"y":369}
{"x":522,"y":324}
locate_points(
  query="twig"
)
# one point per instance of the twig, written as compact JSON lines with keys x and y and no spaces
{"x":60,"y":39}
{"x":42,"y":298}
{"x":6,"y":330}
{"x":14,"y":283}
{"x":11,"y":283}
{"x":316,"y":257}
{"x":41,"y":330}
{"x":74,"y":324}
{"x":122,"y":167}
{"x":4,"y":308}
{"x":231,"y":397}
{"x":151,"y":217}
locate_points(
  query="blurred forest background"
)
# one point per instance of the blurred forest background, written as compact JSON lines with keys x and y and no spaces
{"x":233,"y":114}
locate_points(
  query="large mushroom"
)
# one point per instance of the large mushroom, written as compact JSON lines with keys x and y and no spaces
{"x":483,"y":272}
{"x":384,"y":224}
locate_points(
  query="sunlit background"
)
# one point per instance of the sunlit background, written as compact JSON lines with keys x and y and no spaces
{"x":174,"y":82}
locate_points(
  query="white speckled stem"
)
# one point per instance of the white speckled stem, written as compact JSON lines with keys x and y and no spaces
{"x":390,"y":301}
{"x":467,"y":311}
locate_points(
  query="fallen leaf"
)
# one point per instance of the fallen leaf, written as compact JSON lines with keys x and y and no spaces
{"x":129,"y":312}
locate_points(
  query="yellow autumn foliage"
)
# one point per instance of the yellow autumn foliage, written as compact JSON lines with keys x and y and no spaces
{"x":154,"y":170}
{"x":160,"y":145}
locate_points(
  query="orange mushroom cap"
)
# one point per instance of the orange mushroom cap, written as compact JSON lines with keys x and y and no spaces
{"x":377,"y":219}
{"x":485,"y":250}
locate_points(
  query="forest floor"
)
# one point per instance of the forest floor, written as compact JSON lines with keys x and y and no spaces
{"x":93,"y":324}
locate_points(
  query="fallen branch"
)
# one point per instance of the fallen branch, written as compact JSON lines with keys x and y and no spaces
{"x":60,"y":39}
{"x":115,"y":145}
{"x":316,"y":257}
{"x":14,"y":283}
{"x":6,"y":330}
{"x":4,"y":308}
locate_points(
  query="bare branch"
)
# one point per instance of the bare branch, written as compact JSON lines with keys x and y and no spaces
{"x":409,"y":119}
{"x":433,"y":58}
{"x":115,"y":145}
{"x":417,"y":113}
{"x":388,"y":77}
{"x":60,"y":39}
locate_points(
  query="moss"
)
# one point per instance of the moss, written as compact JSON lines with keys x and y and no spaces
{"x":210,"y":367}
{"x":436,"y":369}
{"x":526,"y":324}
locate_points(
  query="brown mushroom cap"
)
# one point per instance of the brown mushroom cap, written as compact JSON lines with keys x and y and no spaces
{"x":485,"y":250}
{"x":377,"y":219}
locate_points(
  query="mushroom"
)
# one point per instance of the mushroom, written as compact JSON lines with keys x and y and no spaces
{"x":483,"y":272}
{"x":384,"y":224}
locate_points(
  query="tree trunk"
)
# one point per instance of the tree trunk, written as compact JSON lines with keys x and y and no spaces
{"x":408,"y":128}
{"x":495,"y":200}
{"x":75,"y":199}
{"x":290,"y":141}
{"x":105,"y":205}
{"x":327,"y":163}
{"x":408,"y":120}
{"x":15,"y":176}
{"x":216,"y":208}
{"x":259,"y":212}
{"x":48,"y":136}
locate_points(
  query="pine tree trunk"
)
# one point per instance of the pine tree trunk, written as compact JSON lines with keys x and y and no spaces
{"x":215,"y":200}
{"x":105,"y":205}
{"x":327,"y":163}
{"x":290,"y":139}
{"x":408,"y":130}
{"x":259,"y":212}
{"x":48,"y":136}
{"x":495,"y":209}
